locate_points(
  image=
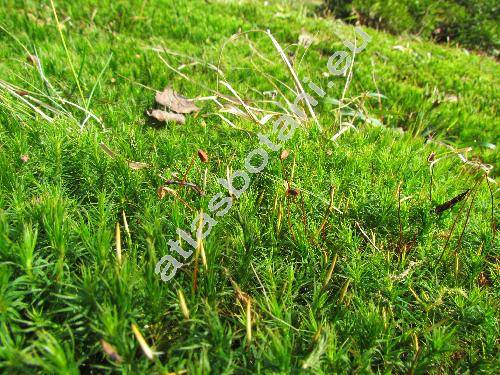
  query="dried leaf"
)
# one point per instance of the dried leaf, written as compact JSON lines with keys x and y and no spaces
{"x":228,"y":108}
{"x":203,"y":156}
{"x":305,"y":39}
{"x":111,"y":351}
{"x":164,"y":116}
{"x":271,"y":93}
{"x":177,"y":103}
{"x":107,"y":150}
{"x":399,"y":48}
{"x":136,"y":165}
{"x":450,"y":98}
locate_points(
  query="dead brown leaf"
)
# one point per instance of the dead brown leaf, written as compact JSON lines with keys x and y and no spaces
{"x":164,"y":116}
{"x":177,"y":103}
{"x":111,"y":351}
{"x":136,"y":165}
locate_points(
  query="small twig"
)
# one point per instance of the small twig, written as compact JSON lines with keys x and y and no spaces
{"x":163,"y":190}
{"x":366,"y":237}
{"x":191,"y":185}
{"x":184,"y":176}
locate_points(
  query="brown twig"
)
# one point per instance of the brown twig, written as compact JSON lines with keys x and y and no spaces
{"x":191,"y":185}
{"x":184,"y":176}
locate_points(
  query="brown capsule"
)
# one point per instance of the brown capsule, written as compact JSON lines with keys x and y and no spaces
{"x":203,"y":156}
{"x":32,"y":59}
{"x":431,"y":157}
{"x":284,"y":154}
{"x":111,"y":351}
{"x":483,"y":279}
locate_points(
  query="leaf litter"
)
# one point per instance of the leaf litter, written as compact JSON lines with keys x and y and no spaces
{"x":176,"y":102}
{"x":164,"y":116}
{"x":177,"y":105}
